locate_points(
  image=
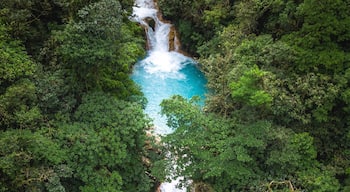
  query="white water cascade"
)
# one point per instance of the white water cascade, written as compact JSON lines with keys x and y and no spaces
{"x":164,"y":72}
{"x":160,"y":58}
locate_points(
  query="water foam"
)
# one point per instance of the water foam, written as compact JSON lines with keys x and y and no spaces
{"x":165,"y":64}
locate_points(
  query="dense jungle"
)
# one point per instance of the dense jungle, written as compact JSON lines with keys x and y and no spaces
{"x":276,"y":118}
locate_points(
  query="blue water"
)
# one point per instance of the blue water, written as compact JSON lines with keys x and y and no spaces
{"x":186,"y":80}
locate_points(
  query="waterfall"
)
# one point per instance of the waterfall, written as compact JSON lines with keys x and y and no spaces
{"x":160,"y":58}
{"x":164,"y":72}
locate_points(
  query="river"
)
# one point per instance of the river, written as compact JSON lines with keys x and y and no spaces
{"x":164,"y":71}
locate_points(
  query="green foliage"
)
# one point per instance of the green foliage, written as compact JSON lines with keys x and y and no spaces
{"x":294,"y":154}
{"x":71,"y":7}
{"x":283,"y":18}
{"x":98,"y":50}
{"x":249,"y":12}
{"x":56,"y":133}
{"x":55,"y":98}
{"x":196,"y":20}
{"x":17,"y":92}
{"x":100,"y":22}
{"x":31,"y":21}
{"x":15,"y":63}
{"x":325,"y":45}
{"x":277,"y":117}
{"x":31,"y":162}
{"x":247,"y":88}
{"x":215,"y":68}
{"x":216,"y":14}
{"x":18,"y":105}
{"x":329,"y":21}
{"x":252,"y":153}
{"x":306,"y":98}
{"x":92,"y":159}
{"x":223,"y":70}
{"x":319,"y":180}
{"x":284,"y":62}
{"x":105,"y":145}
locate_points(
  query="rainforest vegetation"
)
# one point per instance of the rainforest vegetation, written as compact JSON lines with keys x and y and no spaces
{"x":277,"y":117}
{"x":71,"y":119}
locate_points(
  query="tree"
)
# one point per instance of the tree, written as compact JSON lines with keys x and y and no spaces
{"x":248,"y":90}
{"x":17,"y":91}
{"x":105,"y":145}
{"x":93,"y":50}
{"x":244,"y":156}
{"x":196,"y":20}
{"x":62,"y":125}
{"x":31,"y":162}
{"x":31,"y":21}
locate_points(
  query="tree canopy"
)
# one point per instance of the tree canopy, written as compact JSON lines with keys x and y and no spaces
{"x":71,"y":119}
{"x":276,"y":117}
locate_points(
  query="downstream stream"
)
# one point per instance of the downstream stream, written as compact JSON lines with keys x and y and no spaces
{"x":164,"y":72}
